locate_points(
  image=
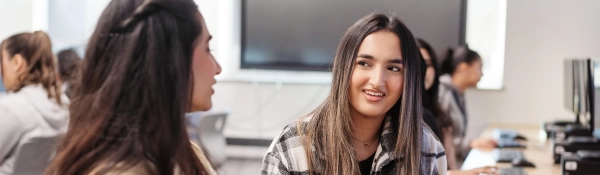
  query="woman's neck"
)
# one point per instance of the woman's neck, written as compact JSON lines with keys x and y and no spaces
{"x":365,"y":128}
{"x":458,"y":82}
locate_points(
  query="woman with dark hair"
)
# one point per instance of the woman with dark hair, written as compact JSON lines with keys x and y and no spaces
{"x":432,"y":115}
{"x":68,"y":67}
{"x":443,"y":122}
{"x":146,"y":65}
{"x":34,"y":106}
{"x":461,"y":69}
{"x":371,"y":122}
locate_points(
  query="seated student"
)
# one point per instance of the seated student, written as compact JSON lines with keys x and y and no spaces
{"x":147,"y":64}
{"x":371,"y":122}
{"x":443,"y":122}
{"x":461,"y":69}
{"x":34,"y":106}
{"x":68,"y":67}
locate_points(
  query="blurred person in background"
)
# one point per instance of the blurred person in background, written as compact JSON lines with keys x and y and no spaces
{"x":461,"y":69}
{"x":146,"y":65}
{"x":68,"y":67}
{"x":432,"y":114}
{"x":441,"y":120}
{"x":34,"y":105}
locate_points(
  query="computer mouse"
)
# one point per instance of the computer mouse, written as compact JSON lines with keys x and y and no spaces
{"x":521,"y":162}
{"x":520,"y":137}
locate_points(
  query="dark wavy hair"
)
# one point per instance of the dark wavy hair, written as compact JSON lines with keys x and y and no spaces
{"x":68,"y":64}
{"x":135,"y":86}
{"x":430,"y":98}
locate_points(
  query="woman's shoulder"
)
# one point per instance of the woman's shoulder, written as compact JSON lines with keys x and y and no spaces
{"x":291,"y":134}
{"x":430,"y":143}
{"x":15,"y":106}
{"x":287,"y":152}
{"x":141,"y":167}
{"x":433,"y":154}
{"x":12,"y":99}
{"x":203,"y":159}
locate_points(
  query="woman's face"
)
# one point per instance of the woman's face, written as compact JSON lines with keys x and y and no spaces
{"x":474,"y":72}
{"x":377,"y":78}
{"x":11,"y":68}
{"x":204,"y":68}
{"x":430,"y":71}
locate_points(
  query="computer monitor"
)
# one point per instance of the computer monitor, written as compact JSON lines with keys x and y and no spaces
{"x":576,"y":81}
{"x":595,"y":115}
{"x":569,"y":84}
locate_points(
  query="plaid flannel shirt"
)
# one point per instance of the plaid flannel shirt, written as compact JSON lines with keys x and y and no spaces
{"x":286,"y":155}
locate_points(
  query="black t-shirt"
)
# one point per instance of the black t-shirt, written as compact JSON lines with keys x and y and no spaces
{"x":365,"y":165}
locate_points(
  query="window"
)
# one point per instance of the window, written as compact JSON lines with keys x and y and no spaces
{"x":486,"y":30}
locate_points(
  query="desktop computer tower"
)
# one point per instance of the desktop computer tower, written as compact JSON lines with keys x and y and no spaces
{"x":574,"y":164}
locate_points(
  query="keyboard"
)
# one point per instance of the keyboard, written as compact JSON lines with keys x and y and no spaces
{"x":509,"y":143}
{"x":506,"y":155}
{"x":504,"y":134}
{"x":512,"y":171}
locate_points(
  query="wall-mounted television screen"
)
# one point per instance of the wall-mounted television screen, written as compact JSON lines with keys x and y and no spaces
{"x":303,"y":35}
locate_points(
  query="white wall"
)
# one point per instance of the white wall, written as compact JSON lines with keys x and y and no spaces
{"x":15,"y":17}
{"x":539,"y":36}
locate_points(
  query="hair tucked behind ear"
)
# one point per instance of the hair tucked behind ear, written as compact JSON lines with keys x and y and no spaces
{"x":36,"y":50}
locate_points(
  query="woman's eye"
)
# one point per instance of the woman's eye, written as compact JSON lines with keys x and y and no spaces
{"x":394,"y":69}
{"x":364,"y":63}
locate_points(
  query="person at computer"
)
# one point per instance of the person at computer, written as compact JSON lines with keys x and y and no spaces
{"x":34,"y":106}
{"x":146,"y":65}
{"x":461,"y":69}
{"x":371,"y":122}
{"x":441,"y":121}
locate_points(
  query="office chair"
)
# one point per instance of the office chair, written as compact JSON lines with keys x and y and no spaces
{"x":208,"y":129}
{"x":35,"y":155}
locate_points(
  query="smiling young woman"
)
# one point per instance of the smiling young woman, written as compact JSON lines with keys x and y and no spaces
{"x":371,"y":122}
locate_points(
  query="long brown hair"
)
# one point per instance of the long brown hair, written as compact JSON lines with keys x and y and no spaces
{"x":36,"y":49}
{"x":132,"y":94}
{"x":330,"y":128}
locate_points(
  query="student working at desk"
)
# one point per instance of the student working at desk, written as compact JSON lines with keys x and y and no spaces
{"x":461,"y":69}
{"x":442,"y":120}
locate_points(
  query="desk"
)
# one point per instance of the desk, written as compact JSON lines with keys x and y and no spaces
{"x":537,"y":152}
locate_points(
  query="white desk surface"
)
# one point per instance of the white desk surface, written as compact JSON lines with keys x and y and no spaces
{"x":538,"y":151}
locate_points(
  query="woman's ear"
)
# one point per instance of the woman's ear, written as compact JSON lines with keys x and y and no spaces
{"x":19,"y":63}
{"x":462,"y":67}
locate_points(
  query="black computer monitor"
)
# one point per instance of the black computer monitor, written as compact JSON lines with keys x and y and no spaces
{"x":595,"y":101}
{"x":576,"y":81}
